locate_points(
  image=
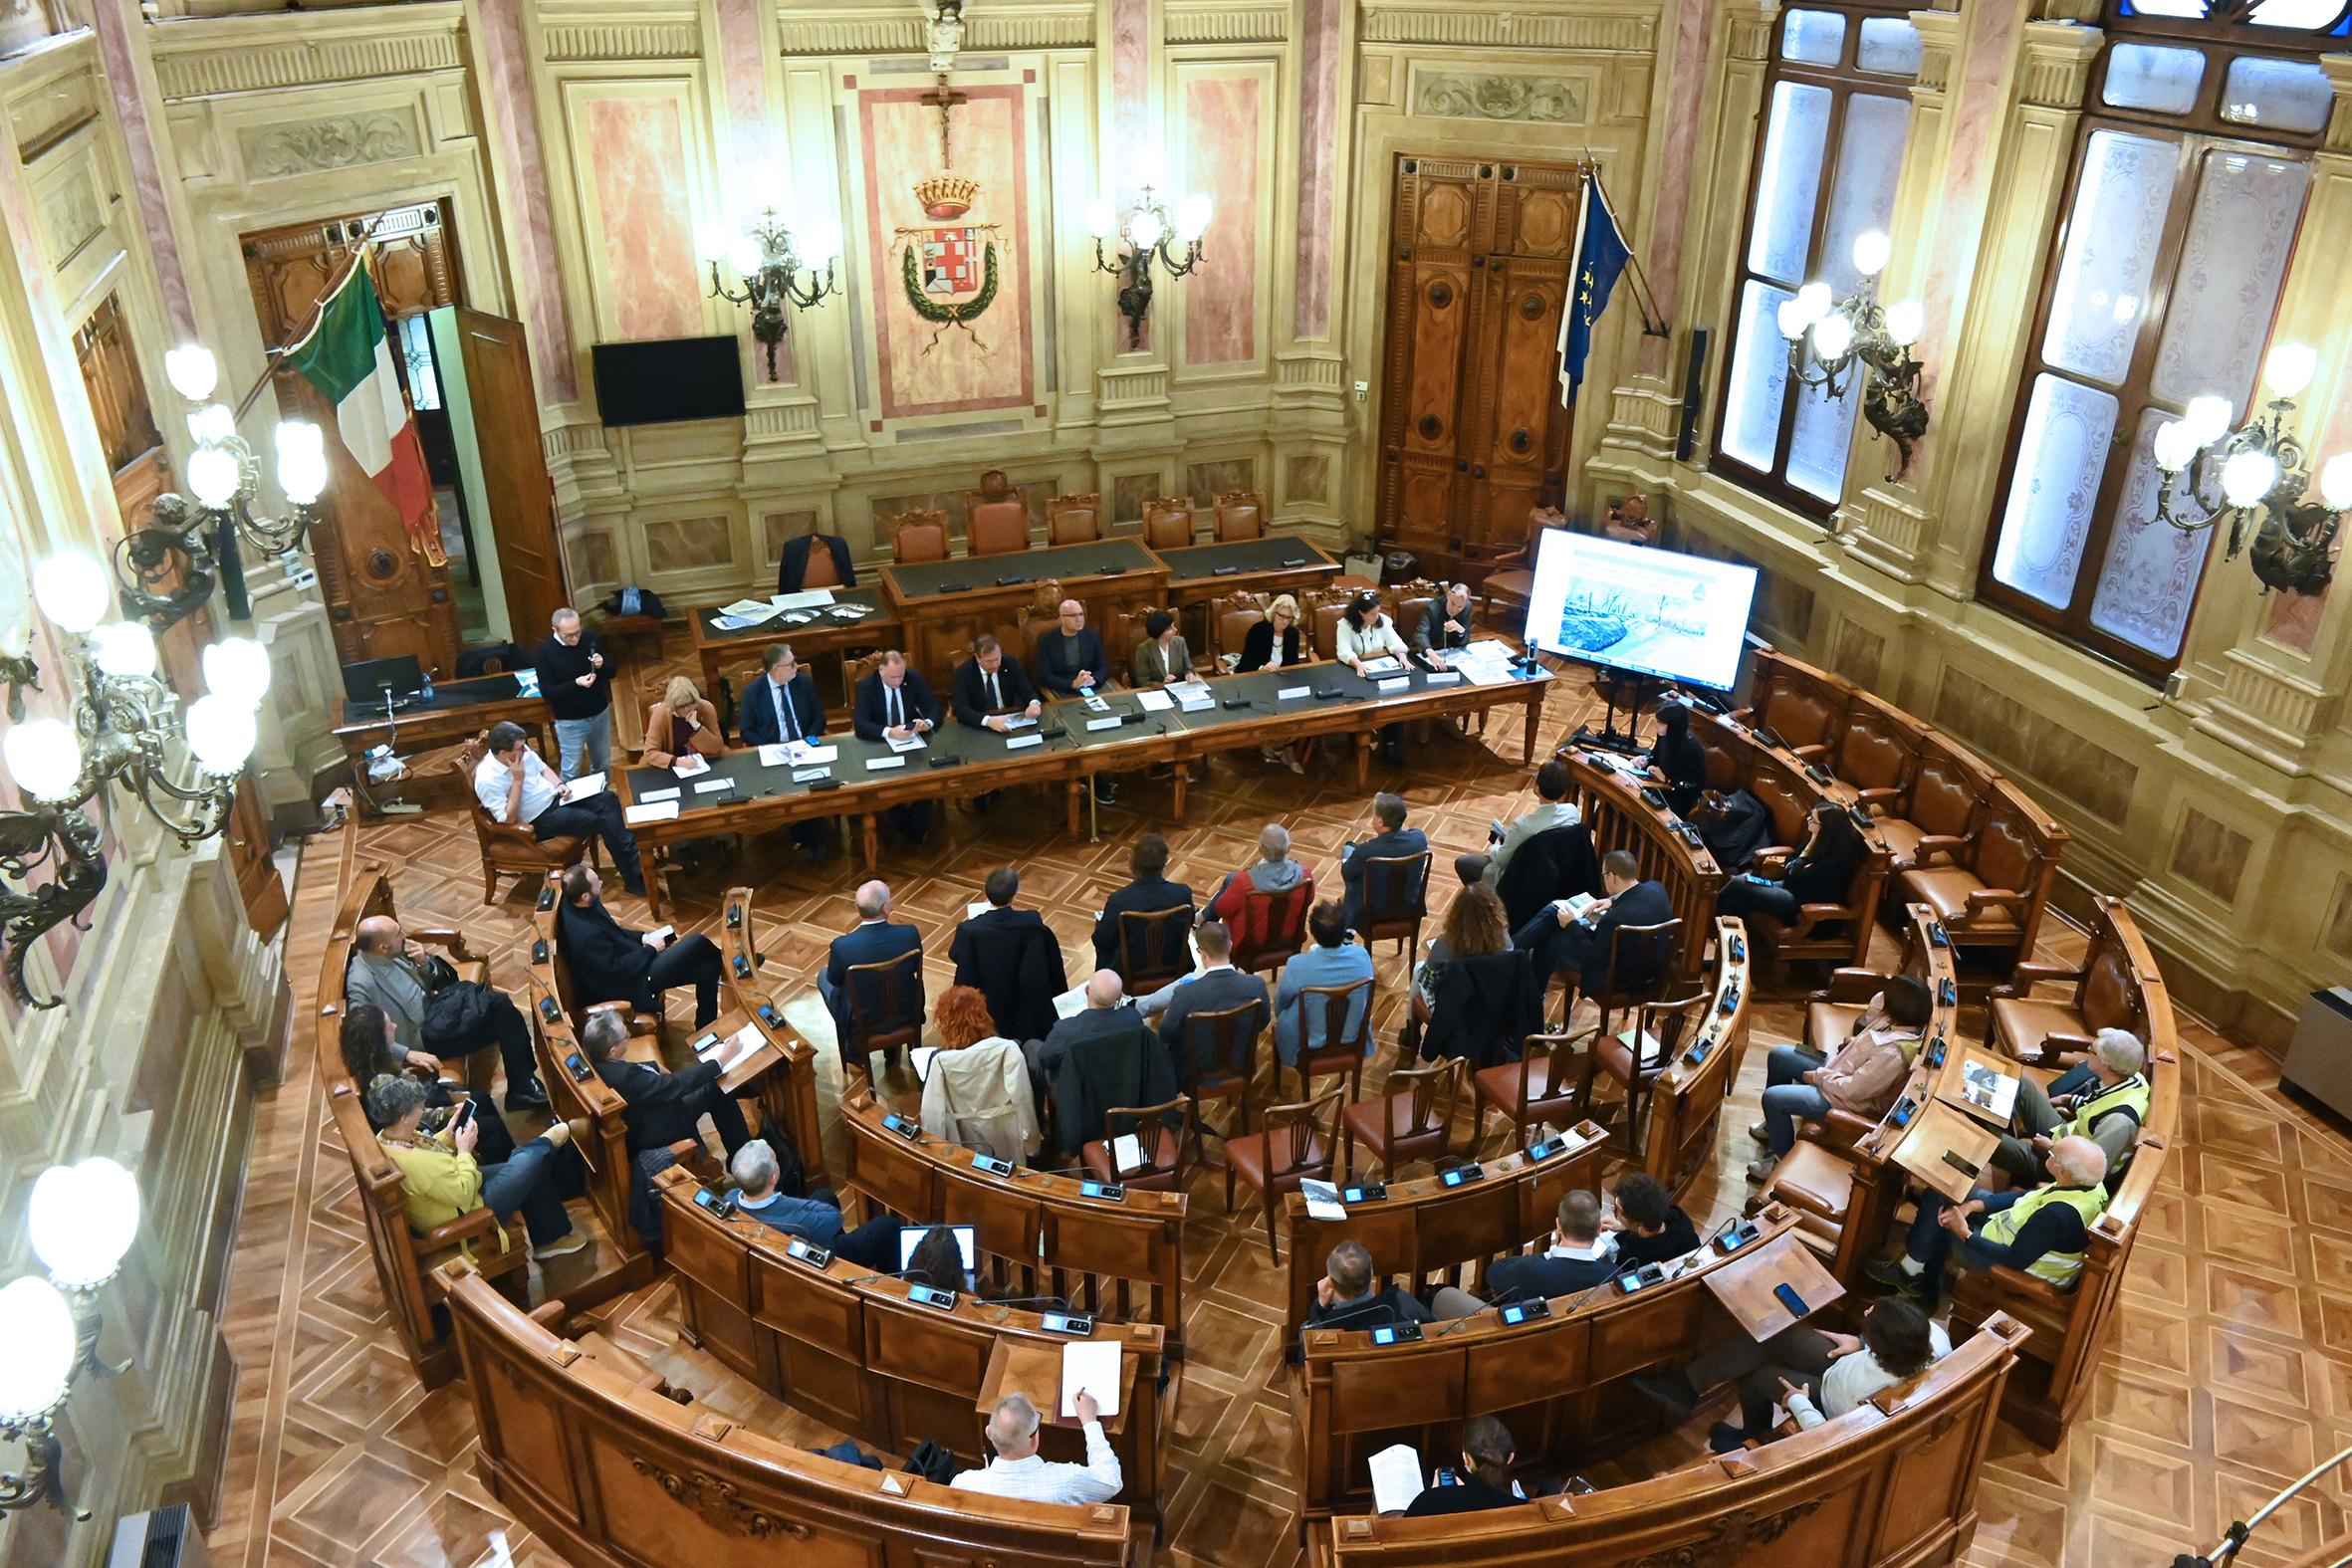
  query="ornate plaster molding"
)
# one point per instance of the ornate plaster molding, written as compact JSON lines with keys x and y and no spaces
{"x":637,"y":39}
{"x":251,"y":55}
{"x":2057,"y":68}
{"x":1491,"y":26}
{"x":1219,"y":24}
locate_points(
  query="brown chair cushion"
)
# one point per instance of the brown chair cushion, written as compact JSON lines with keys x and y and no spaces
{"x":1249,"y":1156}
{"x":996,"y":526}
{"x":1945,"y":890}
{"x":1902,"y":836}
{"x":1943,"y":797}
{"x":1815,"y":1181}
{"x":1828,"y":1024}
{"x":1515,"y":584}
{"x":1158,"y":1174}
{"x":1615,"y":1058}
{"x":2021,"y":1023}
{"x":1498,"y":1086}
{"x":1384,"y":1121}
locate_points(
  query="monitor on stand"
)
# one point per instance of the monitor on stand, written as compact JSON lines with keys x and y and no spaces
{"x":385,"y":684}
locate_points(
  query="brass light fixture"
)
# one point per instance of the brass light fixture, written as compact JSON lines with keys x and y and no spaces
{"x":1828,"y":338}
{"x":2262,"y":469}
{"x":774,"y":270}
{"x":1143,"y":232}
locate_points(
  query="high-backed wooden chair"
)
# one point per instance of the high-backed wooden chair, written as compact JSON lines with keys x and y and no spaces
{"x":1989,"y":889}
{"x":1167,"y":523}
{"x":1297,"y":1143}
{"x":1935,"y":810}
{"x":1239,"y":514}
{"x":1543,"y":1085}
{"x":996,"y":517}
{"x":1153,"y":946}
{"x":1396,"y":900}
{"x":1323,"y":611}
{"x":874,"y":996}
{"x":1343,"y":1048}
{"x":918,"y":535}
{"x":556,"y":973}
{"x":1074,"y":520}
{"x":1877,"y":752}
{"x":1665,"y":941}
{"x":1272,"y":927}
{"x":1510,"y":574}
{"x":1160,"y":1140}
{"x":1837,"y":931}
{"x":508,"y":847}
{"x":1233,"y":617}
{"x":1804,"y":707}
{"x":2106,"y":992}
{"x":1414,"y":1120}
{"x":1220,"y":1055}
{"x":1634,"y":1056}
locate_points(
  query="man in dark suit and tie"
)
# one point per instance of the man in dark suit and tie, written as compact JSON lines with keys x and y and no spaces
{"x":988,"y":692}
{"x":1072,"y":661}
{"x":895,"y":704}
{"x":778,"y":708}
{"x":1011,"y":957}
{"x":663,"y":1107}
{"x":1218,"y":987}
{"x":876,"y":939}
{"x":1559,"y":939}
{"x":1394,"y":841}
{"x":610,"y":963}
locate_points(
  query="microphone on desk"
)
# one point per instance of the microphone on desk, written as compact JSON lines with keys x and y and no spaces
{"x":1056,"y":1304}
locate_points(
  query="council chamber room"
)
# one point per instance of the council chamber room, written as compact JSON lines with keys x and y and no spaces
{"x":1358,"y":785}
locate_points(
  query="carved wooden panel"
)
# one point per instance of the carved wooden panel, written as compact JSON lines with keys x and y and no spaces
{"x":382,"y":599}
{"x":117,"y":392}
{"x":1473,"y":436}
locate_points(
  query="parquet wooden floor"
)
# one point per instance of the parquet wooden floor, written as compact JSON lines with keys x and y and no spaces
{"x":2231,"y":1375}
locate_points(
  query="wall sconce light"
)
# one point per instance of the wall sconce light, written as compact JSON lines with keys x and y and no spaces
{"x":166,"y":569}
{"x":1143,"y":233}
{"x":774,"y":270}
{"x":125,"y":724}
{"x":82,"y":1219}
{"x":2263,"y":468}
{"x":1827,"y":339}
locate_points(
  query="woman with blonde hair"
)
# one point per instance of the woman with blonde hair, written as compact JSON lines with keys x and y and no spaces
{"x":683,"y":721}
{"x":1274,"y":644}
{"x":976,"y":1091}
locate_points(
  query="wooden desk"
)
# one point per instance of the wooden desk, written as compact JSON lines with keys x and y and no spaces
{"x":1687,"y":1099}
{"x":790,"y":1093}
{"x":1030,"y":1367}
{"x":945,"y":605}
{"x":1277,"y":564}
{"x":459,"y":711}
{"x":814,"y":636}
{"x":1745,"y":1286}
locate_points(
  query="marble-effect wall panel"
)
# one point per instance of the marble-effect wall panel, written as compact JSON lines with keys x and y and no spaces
{"x":513,"y":119}
{"x":2336,"y":935}
{"x":1319,"y":152}
{"x":2211,"y":854}
{"x":1977,"y":114}
{"x":1220,"y":145}
{"x":1664,"y":225}
{"x":755,"y":161}
{"x":1859,"y":654}
{"x":686,"y":543}
{"x":1129,"y":494}
{"x":1205,"y":481}
{"x":1131,"y":127}
{"x":1306,"y":481}
{"x":2023,"y":742}
{"x":598,"y":560}
{"x":636,"y":152}
{"x":779,"y":527}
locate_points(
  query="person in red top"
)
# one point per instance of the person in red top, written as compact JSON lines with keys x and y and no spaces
{"x":1275,"y":873}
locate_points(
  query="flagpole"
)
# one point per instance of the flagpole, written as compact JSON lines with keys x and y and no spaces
{"x":1653,"y":323}
{"x":318,"y":311}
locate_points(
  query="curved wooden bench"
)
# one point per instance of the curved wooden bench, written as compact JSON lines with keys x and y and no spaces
{"x":615,"y":1476}
{"x":1035,"y":1231}
{"x":1889,"y":1485}
{"x":1667,"y":849}
{"x":1425,"y":1233}
{"x":1686,"y":1100}
{"x":788,"y":1093}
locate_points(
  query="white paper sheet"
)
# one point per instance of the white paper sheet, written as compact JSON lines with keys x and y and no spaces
{"x":775,"y":756}
{"x":712,"y":785}
{"x":1291,"y":692}
{"x":662,"y":812}
{"x":1192,"y":702}
{"x":976,"y":908}
{"x":1126,"y":1153}
{"x":1396,"y":1478}
{"x":740,"y":1046}
{"x":812,"y":599}
{"x":806,"y":756}
{"x":1485,"y":675}
{"x":749,"y":610}
{"x":911,"y":742}
{"x":1382,"y":665}
{"x":874,"y":765}
{"x":1090,"y":1365}
{"x":1022,"y":743}
{"x":651,"y":796}
{"x":691,"y":764}
{"x":1072,"y":1000}
{"x":850,"y":611}
{"x":1154,"y":700}
{"x":582,"y":787}
{"x":1394,"y":684}
{"x":1110,"y":722}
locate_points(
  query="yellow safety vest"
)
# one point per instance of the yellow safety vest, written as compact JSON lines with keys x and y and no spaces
{"x":2129,"y":1094}
{"x":2059,"y":1269}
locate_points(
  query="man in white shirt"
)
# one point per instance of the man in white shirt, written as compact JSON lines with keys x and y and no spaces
{"x":1017,"y":1471}
{"x":515,"y":784}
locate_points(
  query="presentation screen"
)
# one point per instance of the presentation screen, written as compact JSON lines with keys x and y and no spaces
{"x":1643,"y":610}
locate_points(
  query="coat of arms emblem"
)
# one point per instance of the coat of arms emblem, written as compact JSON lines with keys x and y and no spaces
{"x":949,"y":266}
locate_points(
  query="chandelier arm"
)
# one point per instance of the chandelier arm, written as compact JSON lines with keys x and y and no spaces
{"x":212,"y":803}
{"x":29,"y":841}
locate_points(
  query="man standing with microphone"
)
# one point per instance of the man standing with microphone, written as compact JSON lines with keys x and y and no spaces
{"x":576,"y":680}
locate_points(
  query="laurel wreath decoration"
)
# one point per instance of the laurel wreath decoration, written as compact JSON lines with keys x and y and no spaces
{"x":946,"y":317}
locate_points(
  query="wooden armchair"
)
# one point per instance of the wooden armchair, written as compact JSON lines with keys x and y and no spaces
{"x":1507,"y":577}
{"x":556,"y":974}
{"x":1635,"y":1056}
{"x":1935,"y":810}
{"x":1296,"y":1142}
{"x":1167,"y":523}
{"x":1877,"y":752}
{"x":1220,"y":1057}
{"x":1396,"y":900}
{"x":1323,"y":611}
{"x":918,"y":535}
{"x":876,"y":997}
{"x":996,"y":517}
{"x":2108,"y":992}
{"x":1343,"y":1048}
{"x":1414,"y":1120}
{"x":1546,"y":1084}
{"x":1160,"y":1136}
{"x":1272,"y":927}
{"x":1153,"y":946}
{"x":1838,"y":932}
{"x":508,"y":847}
{"x":1239,"y":514}
{"x":1074,"y":520}
{"x":1803,"y":706}
{"x":1989,"y":889}
{"x":1233,"y":617}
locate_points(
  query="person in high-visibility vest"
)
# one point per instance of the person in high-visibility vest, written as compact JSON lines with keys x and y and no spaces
{"x":2043,"y":1230}
{"x":2104,"y":1099}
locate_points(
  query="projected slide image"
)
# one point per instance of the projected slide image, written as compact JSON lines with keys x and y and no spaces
{"x":1650,"y":611}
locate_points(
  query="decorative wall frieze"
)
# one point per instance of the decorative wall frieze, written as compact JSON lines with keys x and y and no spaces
{"x":1501,"y":95}
{"x":1939,"y":41}
{"x":2056,"y":70}
{"x":249,"y":55}
{"x":640,"y":40}
{"x":793,"y":421}
{"x":897,"y":31}
{"x":1321,"y":372}
{"x":1146,"y":385}
{"x":334,"y":142}
{"x":48,"y":115}
{"x":2261,"y":709}
{"x":1748,"y":34}
{"x":1224,"y":24}
{"x":1587,"y":32}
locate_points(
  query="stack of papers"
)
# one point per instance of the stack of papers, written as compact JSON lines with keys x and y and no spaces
{"x":1396,"y":1478}
{"x":1386,"y":664}
{"x":1090,"y":1365}
{"x":1126,"y":1153}
{"x":690,"y":763}
{"x":912,"y":743}
{"x":749,"y":613}
{"x":1323,"y":1201}
{"x":1154,"y":700}
{"x":1195,"y":696}
{"x":582,"y":787}
{"x":1070,"y":1002}
{"x":660,"y":811}
{"x":814,"y":599}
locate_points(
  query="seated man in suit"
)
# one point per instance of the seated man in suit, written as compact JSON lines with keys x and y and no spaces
{"x":1444,"y":626}
{"x":778,"y":708}
{"x":1560,"y":939}
{"x":1149,"y":892}
{"x":663,"y":1107}
{"x":1098,"y":1058}
{"x":610,"y":963}
{"x":1330,"y":960}
{"x":1650,"y":1227}
{"x":894,"y":704}
{"x":1107,"y":1012}
{"x":1344,"y":1297}
{"x":1012,"y":958}
{"x":1215,"y":987}
{"x":876,"y":939}
{"x":1552,"y":810}
{"x":1072,"y":662}
{"x":515,"y":784}
{"x":815,"y":1219}
{"x":1583,"y":1255}
{"x":1393,"y":841}
{"x":383,"y":975}
{"x":2043,"y":1230}
{"x":988,"y":692}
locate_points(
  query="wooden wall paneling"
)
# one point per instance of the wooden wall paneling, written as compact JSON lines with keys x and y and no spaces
{"x":514,"y":471}
{"x":1437,"y":218}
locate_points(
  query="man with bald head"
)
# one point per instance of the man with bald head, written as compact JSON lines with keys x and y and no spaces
{"x":1017,"y":1471}
{"x":875,"y":940}
{"x":468,"y":1017}
{"x":1100,"y":1057}
{"x":2042,"y":1231}
{"x":1072,"y":662}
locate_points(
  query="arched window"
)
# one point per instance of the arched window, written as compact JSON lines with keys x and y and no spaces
{"x":1836,"y":111}
{"x":2180,"y":217}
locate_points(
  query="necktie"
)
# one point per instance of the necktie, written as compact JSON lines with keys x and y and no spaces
{"x":783,"y":713}
{"x":897,"y":713}
{"x":994,"y":700}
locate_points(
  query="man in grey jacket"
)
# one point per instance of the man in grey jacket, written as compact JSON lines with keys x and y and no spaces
{"x":1554,"y":811}
{"x":383,"y":975}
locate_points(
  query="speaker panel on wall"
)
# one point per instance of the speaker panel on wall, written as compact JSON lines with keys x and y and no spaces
{"x":1685,"y":439}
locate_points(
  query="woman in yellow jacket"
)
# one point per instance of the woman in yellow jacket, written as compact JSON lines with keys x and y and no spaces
{"x":441,"y":1181}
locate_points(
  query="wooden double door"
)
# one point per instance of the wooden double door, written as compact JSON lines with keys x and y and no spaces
{"x":1473,"y":436}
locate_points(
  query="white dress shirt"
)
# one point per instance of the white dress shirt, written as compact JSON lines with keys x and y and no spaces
{"x":540,"y":786}
{"x":1370,"y":643}
{"x":788,"y":723}
{"x":1034,"y":1479}
{"x":1852,"y":1378}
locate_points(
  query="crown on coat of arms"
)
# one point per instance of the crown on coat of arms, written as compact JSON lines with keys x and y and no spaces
{"x":946,"y":196}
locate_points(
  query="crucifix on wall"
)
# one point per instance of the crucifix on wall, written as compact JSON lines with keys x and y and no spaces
{"x":944,"y":98}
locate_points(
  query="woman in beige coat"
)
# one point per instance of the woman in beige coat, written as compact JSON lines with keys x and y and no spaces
{"x":683,"y":721}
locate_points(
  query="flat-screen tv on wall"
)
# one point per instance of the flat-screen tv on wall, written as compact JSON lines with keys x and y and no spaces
{"x":669,"y":379}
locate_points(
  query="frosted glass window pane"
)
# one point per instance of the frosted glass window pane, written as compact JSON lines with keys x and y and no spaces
{"x":1760,"y":373}
{"x":1789,"y":183}
{"x":2111,"y":251}
{"x":2279,"y":94}
{"x":1869,"y":161}
{"x":1815,"y":36}
{"x":1824,"y":435}
{"x":2225,"y":288}
{"x":1890,"y":46}
{"x":2143,"y":75}
{"x":2296,"y":13}
{"x":2187,"y":8}
{"x":2060,"y":457}
{"x":2148,"y":583}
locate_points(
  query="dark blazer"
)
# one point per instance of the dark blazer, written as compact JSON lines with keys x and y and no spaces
{"x":755,"y":715}
{"x":792,"y":566}
{"x":559,"y":665}
{"x":1141,"y":897}
{"x":662,"y":1106}
{"x":1258,"y":647}
{"x":1684,"y":763}
{"x":873,"y":714}
{"x":1014,"y":958}
{"x":1826,"y":875}
{"x":871,"y":943}
{"x":1746,"y":827}
{"x":1402,"y":1307}
{"x":1552,"y":864}
{"x":1544,"y":1275}
{"x":1643,"y":904}
{"x":1486,"y":1004}
{"x":967,"y":692}
{"x":1471,"y":1495}
{"x":1105,"y":1068}
{"x":1432,"y":633}
{"x":1383,"y":846}
{"x":1678,"y":1236}
{"x":606,"y":960}
{"x":1058,"y":672}
{"x":1214,"y":991}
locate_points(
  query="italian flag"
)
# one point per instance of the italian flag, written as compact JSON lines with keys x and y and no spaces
{"x":347,"y":357}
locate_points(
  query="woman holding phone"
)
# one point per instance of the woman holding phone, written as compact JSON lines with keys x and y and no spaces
{"x":441,"y":1181}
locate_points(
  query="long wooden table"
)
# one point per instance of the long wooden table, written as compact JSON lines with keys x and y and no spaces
{"x":1277,"y":564}
{"x":812,"y":633}
{"x":958,"y":761}
{"x":945,"y":605}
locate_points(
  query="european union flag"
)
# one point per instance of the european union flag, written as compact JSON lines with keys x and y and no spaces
{"x":1602,"y":254}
